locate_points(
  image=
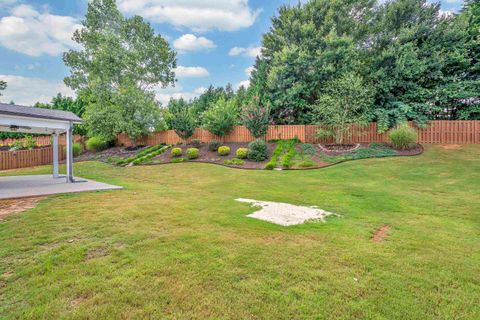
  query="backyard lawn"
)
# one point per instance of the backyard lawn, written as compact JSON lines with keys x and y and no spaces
{"x":175,"y":244}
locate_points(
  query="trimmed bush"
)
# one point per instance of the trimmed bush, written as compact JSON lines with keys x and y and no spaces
{"x":96,"y":144}
{"x":242,"y":153}
{"x":193,"y":153}
{"x":77,"y":149}
{"x":403,"y":137}
{"x":196,"y":143}
{"x":177,"y":160}
{"x":214,"y":145}
{"x":224,"y":151}
{"x":257,"y":150}
{"x":176,"y":152}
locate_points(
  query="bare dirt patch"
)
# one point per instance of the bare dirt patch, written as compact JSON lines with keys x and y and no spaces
{"x":451,"y":146}
{"x":96,"y":253}
{"x":17,"y":205}
{"x":381,"y":233}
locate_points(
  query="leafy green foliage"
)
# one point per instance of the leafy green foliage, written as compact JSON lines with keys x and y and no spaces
{"x":96,"y":144}
{"x":345,"y":101}
{"x":120,"y":61}
{"x":307,"y":163}
{"x":235,"y":162}
{"x":221,"y":117}
{"x":180,"y":118}
{"x":145,"y":154}
{"x":77,"y":149}
{"x":307,"y":149}
{"x":373,"y":151}
{"x":177,"y":160}
{"x":277,"y":153}
{"x":176,"y":152}
{"x":242,"y":153}
{"x":257,"y":150}
{"x":256,"y":117}
{"x":403,"y":137}
{"x":224,"y":151}
{"x":29,"y":143}
{"x":417,"y":63}
{"x":193,"y":153}
{"x":214,"y":145}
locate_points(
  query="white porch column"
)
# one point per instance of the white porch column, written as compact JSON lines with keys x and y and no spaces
{"x":69,"y":154}
{"x":55,"y":155}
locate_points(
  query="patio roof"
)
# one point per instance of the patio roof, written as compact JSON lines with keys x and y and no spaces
{"x":32,"y":112}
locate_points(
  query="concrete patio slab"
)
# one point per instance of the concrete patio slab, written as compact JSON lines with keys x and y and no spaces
{"x":12,"y":187}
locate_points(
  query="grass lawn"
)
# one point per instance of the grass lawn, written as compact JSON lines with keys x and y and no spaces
{"x":176,"y":244}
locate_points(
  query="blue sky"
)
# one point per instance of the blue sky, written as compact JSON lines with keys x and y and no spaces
{"x":217,"y":41}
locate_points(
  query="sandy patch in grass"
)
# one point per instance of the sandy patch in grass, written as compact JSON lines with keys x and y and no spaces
{"x":285,"y":214}
{"x":17,"y":205}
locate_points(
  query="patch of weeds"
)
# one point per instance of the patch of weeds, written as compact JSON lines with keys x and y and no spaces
{"x":234,"y":161}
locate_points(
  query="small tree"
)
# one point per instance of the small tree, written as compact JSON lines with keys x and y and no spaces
{"x":220,"y":118}
{"x":344,"y":102}
{"x":180,"y":118}
{"x":256,"y":117}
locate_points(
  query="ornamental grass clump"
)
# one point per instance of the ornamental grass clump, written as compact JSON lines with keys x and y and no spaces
{"x":403,"y":137}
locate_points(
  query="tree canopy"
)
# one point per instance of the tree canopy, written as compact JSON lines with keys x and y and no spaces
{"x":420,"y":64}
{"x":120,"y":62}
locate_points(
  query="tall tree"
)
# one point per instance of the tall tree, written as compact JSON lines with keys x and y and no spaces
{"x":181,"y":118}
{"x":115,"y":72}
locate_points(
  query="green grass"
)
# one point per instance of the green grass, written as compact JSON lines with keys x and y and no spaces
{"x":176,"y":245}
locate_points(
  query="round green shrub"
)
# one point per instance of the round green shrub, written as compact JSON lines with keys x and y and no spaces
{"x":193,"y":153}
{"x":257,"y":150}
{"x":77,"y":149}
{"x":176,"y":152}
{"x":403,"y":137}
{"x":96,"y":144}
{"x":242,"y":153}
{"x":224,"y":151}
{"x":214,"y":145}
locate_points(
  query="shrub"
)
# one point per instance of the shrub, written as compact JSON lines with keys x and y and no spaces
{"x":193,"y":153}
{"x":224,"y":151}
{"x":180,"y":118}
{"x":242,"y":153}
{"x":221,"y":116}
{"x":214,"y":145}
{"x":234,"y":161}
{"x":17,"y":145}
{"x":176,"y":152}
{"x":256,"y":117}
{"x":403,"y":137}
{"x":196,"y":143}
{"x":30,"y":143}
{"x":271,"y":165}
{"x":257,"y":150}
{"x":77,"y":149}
{"x":308,"y":149}
{"x":177,"y":160}
{"x":96,"y":144}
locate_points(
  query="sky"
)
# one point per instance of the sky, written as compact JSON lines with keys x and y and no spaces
{"x":216,"y":40}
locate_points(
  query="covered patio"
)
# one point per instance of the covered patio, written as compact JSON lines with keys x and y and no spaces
{"x":32,"y":120}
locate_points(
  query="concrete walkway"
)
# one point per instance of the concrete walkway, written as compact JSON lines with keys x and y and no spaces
{"x":42,"y":185}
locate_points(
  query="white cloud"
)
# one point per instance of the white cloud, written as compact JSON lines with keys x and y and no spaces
{"x":164,"y":95}
{"x":190,"y":42}
{"x":33,"y":33}
{"x":5,"y":3}
{"x":198,"y":15}
{"x":191,"y":72}
{"x":27,"y":91}
{"x":249,"y":71}
{"x":200,"y":90}
{"x":245,"y":84}
{"x":250,"y":52}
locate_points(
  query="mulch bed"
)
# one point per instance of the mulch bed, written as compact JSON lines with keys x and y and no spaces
{"x":120,"y":152}
{"x":207,"y":156}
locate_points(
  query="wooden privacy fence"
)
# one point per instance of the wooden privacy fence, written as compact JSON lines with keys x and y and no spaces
{"x":441,"y":131}
{"x":28,"y":158}
{"x":42,"y":140}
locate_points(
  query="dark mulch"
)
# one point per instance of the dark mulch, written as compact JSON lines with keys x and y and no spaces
{"x":118,"y":152}
{"x":213,"y":157}
{"x":416,"y":150}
